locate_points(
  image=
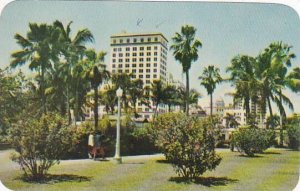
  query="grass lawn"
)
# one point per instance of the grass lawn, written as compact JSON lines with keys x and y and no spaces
{"x":277,"y":169}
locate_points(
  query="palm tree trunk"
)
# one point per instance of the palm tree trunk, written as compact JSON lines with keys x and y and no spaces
{"x":187,"y":92}
{"x":211,"y":104}
{"x":270,"y":107}
{"x":281,"y":121}
{"x":96,"y":117}
{"x":68,"y":105}
{"x":247,"y":105}
{"x":43,"y":89}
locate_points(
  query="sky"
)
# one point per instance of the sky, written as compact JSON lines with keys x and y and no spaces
{"x":225,"y":29}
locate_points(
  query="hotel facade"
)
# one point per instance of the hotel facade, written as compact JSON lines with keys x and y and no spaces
{"x":145,"y":57}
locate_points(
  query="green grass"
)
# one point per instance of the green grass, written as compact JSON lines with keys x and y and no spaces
{"x":278,"y":169}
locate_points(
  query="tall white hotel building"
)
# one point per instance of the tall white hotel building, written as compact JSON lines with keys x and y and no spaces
{"x":142,"y":55}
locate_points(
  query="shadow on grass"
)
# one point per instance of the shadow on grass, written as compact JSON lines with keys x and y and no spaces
{"x":101,"y":160}
{"x":133,"y":163}
{"x":56,"y":178}
{"x":271,"y":153}
{"x":205,"y":181}
{"x":247,"y":156}
{"x":163,"y":161}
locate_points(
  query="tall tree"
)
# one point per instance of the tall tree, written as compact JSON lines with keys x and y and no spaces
{"x":123,"y":81}
{"x":157,"y":94}
{"x":96,"y":73}
{"x":281,"y":60}
{"x":73,"y":49}
{"x":135,"y":92}
{"x":186,"y":51}
{"x":243,"y":78}
{"x":40,"y":48}
{"x":209,"y":79}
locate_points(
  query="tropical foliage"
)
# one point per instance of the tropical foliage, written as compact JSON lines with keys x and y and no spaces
{"x":185,"y":49}
{"x":188,"y":144}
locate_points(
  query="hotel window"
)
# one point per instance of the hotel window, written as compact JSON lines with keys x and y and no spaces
{"x":114,"y":41}
{"x":148,"y":65}
{"x":127,"y":65}
{"x":140,"y":76}
{"x":120,"y":65}
{"x":155,"y":59}
{"x":114,"y":55}
{"x":154,"y":76}
{"x":119,"y":49}
{"x":134,"y":65}
{"x":127,"y":60}
{"x":134,"y":60}
{"x":127,"y":71}
{"x":127,"y":48}
{"x":133,"y":70}
{"x":119,"y":71}
{"x":113,"y":65}
{"x":128,"y":40}
{"x":147,"y":76}
{"x":141,"y":54}
{"x":141,"y":70}
{"x":148,"y":70}
{"x":148,"y":47}
{"x":148,"y":59}
{"x":155,"y":39}
{"x":120,"y":54}
{"x":121,"y":40}
{"x":142,"y":40}
{"x":149,"y":39}
{"x":155,"y":47}
{"x":127,"y":54}
{"x":141,"y":59}
{"x":134,"y":40}
{"x":148,"y":53}
{"x":113,"y":60}
{"x":148,"y":82}
{"x":134,"y":54}
{"x":154,"y":70}
{"x":120,"y":60}
{"x":142,"y":48}
{"x":134,"y":48}
{"x":155,"y":53}
{"x":141,"y":65}
{"x":133,"y":76}
{"x":115,"y":49}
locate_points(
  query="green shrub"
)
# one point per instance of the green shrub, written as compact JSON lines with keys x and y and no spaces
{"x":251,"y":140}
{"x":40,"y":143}
{"x":293,"y":132}
{"x":188,"y":144}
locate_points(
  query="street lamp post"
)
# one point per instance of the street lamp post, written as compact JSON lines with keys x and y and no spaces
{"x":117,"y":155}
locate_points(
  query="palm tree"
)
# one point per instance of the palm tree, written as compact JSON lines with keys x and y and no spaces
{"x":135,"y":92}
{"x":109,"y":98}
{"x":231,"y":121}
{"x":73,"y":49}
{"x":186,"y":51}
{"x":123,"y":81}
{"x":171,"y":95}
{"x":209,"y":79}
{"x":96,"y":73}
{"x":243,"y":77}
{"x":40,"y":48}
{"x":280,"y":60}
{"x":158,"y":94}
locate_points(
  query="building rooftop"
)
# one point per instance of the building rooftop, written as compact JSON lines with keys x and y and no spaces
{"x":138,"y":34}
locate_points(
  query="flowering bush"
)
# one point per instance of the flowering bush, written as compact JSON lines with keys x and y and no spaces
{"x":188,"y":144}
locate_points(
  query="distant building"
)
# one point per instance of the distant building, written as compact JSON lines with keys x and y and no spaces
{"x":145,"y":57}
